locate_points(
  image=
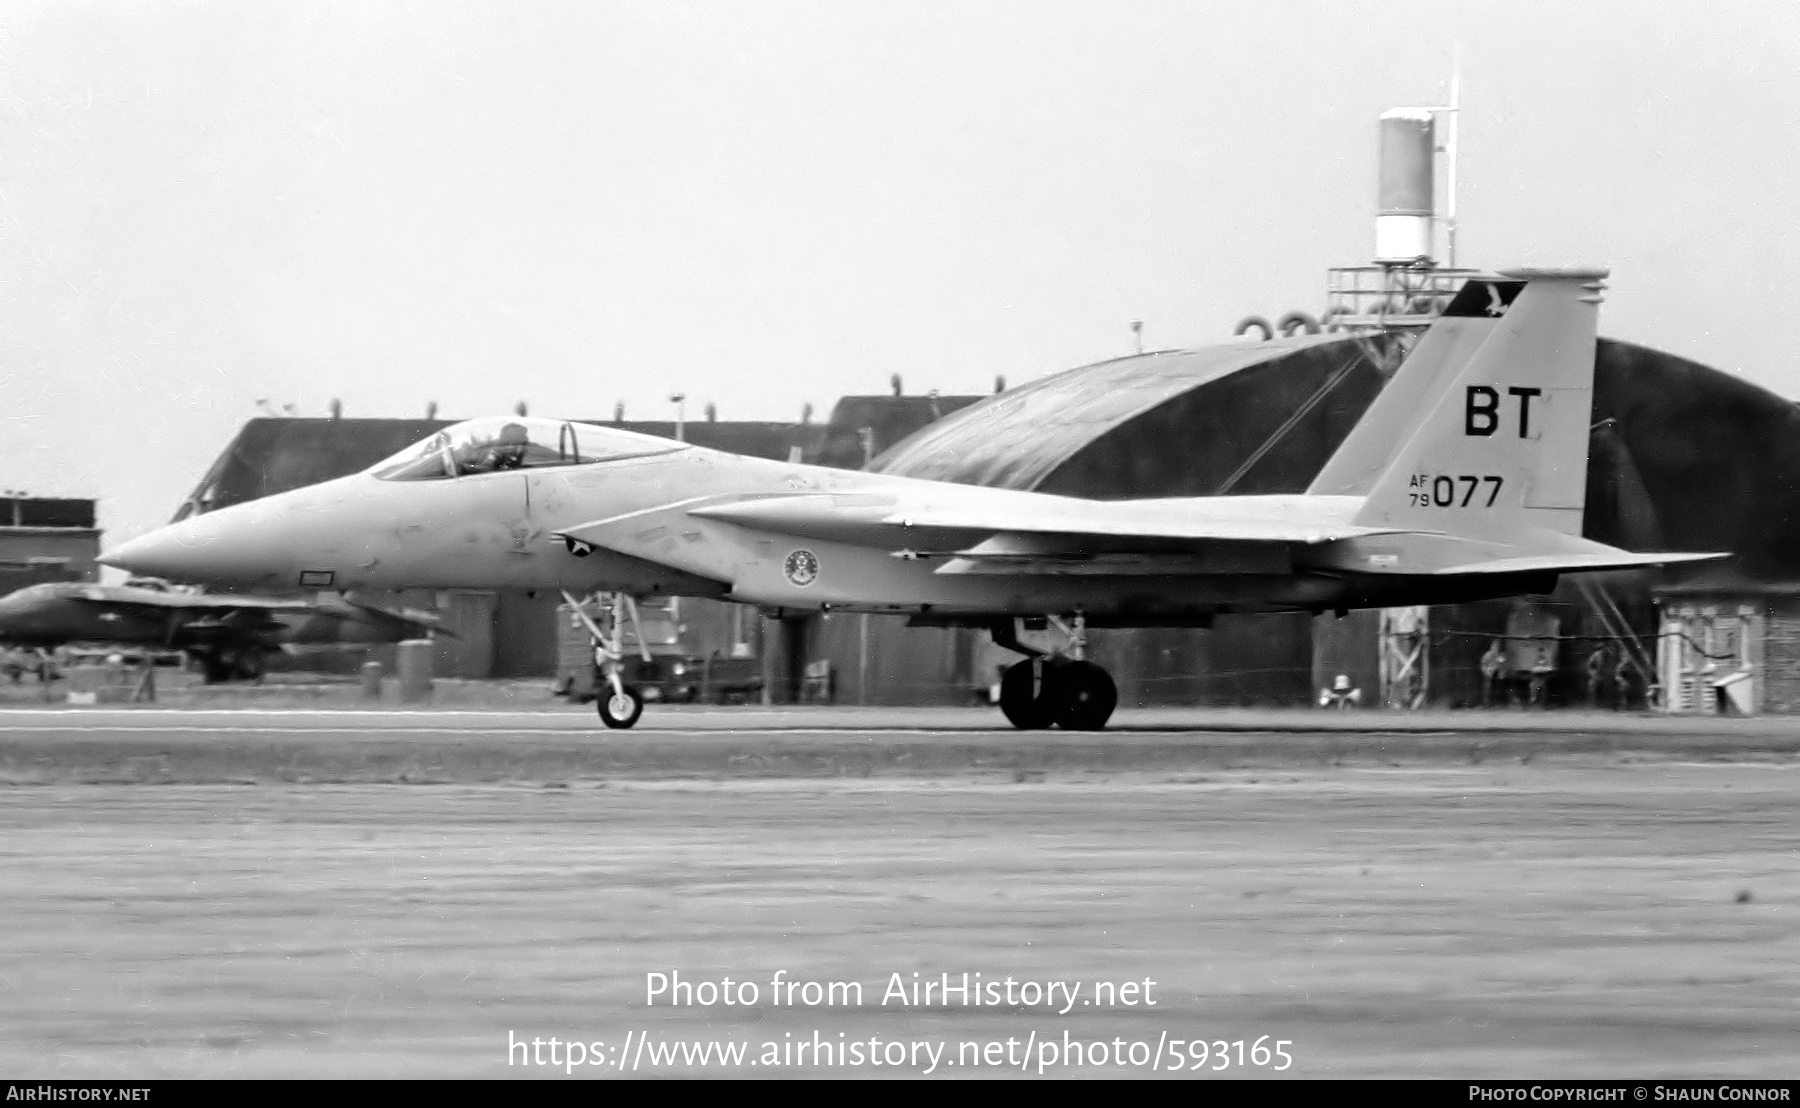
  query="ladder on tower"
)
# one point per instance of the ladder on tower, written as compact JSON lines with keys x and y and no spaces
{"x":1405,"y":657}
{"x":1613,"y":621}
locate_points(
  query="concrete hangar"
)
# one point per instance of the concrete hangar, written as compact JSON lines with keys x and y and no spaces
{"x":1683,"y":458}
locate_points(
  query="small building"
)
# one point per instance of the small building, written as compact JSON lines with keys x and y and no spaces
{"x":46,"y":539}
{"x":1729,"y":649}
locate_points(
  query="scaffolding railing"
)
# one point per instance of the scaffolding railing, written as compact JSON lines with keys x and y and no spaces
{"x":1369,"y":297}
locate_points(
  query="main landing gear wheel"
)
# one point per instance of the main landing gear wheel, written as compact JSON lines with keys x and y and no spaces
{"x":1063,"y":688}
{"x":1085,"y":696}
{"x":620,"y":709}
{"x":1025,"y":694}
{"x":1073,"y":695}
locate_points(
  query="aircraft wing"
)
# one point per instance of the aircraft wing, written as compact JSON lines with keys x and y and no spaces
{"x":975,"y":514}
{"x":225,"y":609}
{"x":998,"y":532}
{"x":130,"y":596}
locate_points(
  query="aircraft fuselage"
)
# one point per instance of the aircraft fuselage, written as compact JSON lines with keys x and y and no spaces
{"x":499,"y":530}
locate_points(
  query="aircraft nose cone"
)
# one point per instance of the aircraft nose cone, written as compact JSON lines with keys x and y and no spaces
{"x":175,"y":552}
{"x":204,"y":550}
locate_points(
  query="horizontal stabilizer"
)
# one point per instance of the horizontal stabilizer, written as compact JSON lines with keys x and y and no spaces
{"x":1575,"y":563}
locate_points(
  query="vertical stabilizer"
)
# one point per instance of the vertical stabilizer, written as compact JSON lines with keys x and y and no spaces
{"x":1445,"y":347}
{"x":1503,"y":447}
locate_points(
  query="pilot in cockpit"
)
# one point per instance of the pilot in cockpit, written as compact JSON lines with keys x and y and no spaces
{"x":490,"y":445}
{"x":505,"y":451}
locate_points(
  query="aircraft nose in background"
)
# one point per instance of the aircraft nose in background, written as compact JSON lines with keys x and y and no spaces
{"x":13,"y":607}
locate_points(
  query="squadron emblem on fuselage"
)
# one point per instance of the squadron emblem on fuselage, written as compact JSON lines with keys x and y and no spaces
{"x":801,"y":568}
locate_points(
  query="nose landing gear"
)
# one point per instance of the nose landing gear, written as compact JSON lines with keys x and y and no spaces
{"x":619,"y":704}
{"x":1045,"y":689}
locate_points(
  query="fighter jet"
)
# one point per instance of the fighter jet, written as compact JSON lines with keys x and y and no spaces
{"x":230,"y":636}
{"x":1465,"y":480}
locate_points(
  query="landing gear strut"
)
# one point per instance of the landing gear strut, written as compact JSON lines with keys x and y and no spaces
{"x":1062,"y":689}
{"x":619,"y":704}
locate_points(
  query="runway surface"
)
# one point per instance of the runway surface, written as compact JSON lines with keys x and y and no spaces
{"x":339,"y":746}
{"x":315,"y":894}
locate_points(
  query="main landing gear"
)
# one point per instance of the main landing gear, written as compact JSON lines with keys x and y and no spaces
{"x":1065,"y":690}
{"x":229,"y":663}
{"x":619,"y":704}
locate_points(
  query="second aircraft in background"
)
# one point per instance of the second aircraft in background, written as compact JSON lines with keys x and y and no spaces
{"x":229,"y":636}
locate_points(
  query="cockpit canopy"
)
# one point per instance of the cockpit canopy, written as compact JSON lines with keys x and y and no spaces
{"x":499,"y":443}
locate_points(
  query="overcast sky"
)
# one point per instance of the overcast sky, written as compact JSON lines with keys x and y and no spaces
{"x":208,"y":204}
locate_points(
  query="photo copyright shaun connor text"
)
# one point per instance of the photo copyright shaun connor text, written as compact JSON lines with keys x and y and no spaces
{"x":1034,"y":1051}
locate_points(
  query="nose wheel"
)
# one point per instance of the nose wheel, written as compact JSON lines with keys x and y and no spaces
{"x":621,"y":708}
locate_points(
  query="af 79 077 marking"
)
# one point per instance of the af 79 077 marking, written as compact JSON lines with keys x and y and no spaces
{"x":1439,"y":490}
